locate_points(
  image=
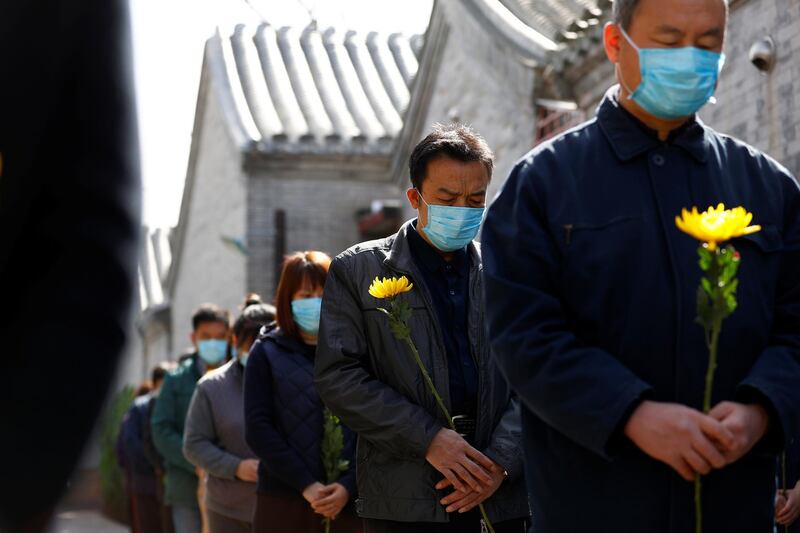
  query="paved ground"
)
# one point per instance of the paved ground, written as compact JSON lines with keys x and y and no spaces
{"x":84,"y":521}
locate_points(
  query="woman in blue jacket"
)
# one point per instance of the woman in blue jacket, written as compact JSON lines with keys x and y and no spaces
{"x":284,"y":414}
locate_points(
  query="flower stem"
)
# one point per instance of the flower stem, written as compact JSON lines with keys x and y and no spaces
{"x":440,"y":403}
{"x":712,"y":364}
{"x":429,"y":381}
{"x":712,"y":342}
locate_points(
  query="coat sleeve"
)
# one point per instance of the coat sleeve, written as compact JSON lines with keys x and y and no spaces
{"x":775,"y":377}
{"x":347,"y":385}
{"x":200,"y":439}
{"x":261,"y":432}
{"x":150,"y":451}
{"x":505,"y":446}
{"x":348,"y":478}
{"x":132,"y":440}
{"x":581,"y":391}
{"x":165,"y":427}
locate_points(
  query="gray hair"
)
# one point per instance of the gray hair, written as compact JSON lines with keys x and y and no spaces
{"x":623,"y":10}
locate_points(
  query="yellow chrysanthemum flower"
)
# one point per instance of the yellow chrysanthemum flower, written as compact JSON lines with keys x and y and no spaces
{"x":389,"y":288}
{"x":716,"y":225}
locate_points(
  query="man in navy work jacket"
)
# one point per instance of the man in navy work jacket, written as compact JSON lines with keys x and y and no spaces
{"x":591,"y":299}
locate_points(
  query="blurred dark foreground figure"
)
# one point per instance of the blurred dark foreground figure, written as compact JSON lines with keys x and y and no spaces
{"x":69,"y":230}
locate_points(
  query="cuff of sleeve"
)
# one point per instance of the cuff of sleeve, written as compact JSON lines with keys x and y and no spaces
{"x":773,"y":439}
{"x":510,"y":462}
{"x":348,"y":481}
{"x":638,"y":393}
{"x":419,"y":446}
{"x":229,"y":466}
{"x":301,"y":482}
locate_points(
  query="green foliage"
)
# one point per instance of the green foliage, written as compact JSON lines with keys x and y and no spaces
{"x":332,"y":447}
{"x":716,"y":296}
{"x":398,"y":318}
{"x":112,"y":484}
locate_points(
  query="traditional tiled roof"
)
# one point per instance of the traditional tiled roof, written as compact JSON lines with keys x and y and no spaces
{"x":154,"y":265}
{"x":558,"y":20}
{"x":315,"y":91}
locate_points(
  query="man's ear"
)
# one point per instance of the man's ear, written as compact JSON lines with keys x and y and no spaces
{"x":611,"y":37}
{"x":193,"y":338}
{"x":413,"y":197}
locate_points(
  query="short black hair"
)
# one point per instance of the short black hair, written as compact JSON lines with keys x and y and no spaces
{"x":455,"y":141}
{"x":210,"y":313}
{"x":160,"y":371}
{"x":622,"y":12}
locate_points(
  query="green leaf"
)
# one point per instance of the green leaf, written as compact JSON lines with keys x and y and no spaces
{"x":705,"y":258}
{"x":703,"y":307}
{"x":332,"y":446}
{"x":705,"y":284}
{"x":730,"y":297}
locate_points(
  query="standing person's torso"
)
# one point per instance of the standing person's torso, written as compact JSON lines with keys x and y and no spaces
{"x":298,"y":408}
{"x":401,"y":486}
{"x":181,"y":485}
{"x":142,"y":473}
{"x":628,"y":281}
{"x":224,"y":390}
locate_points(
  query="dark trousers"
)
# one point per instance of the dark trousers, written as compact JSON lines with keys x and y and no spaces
{"x":459,"y":523}
{"x":218,"y":523}
{"x":146,"y":514}
{"x":279,"y":513}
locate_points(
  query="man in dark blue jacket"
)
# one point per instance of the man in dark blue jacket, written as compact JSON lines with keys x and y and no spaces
{"x":143,"y":481}
{"x":591,"y":299}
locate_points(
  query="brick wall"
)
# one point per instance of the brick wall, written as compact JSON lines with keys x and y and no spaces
{"x":763,"y":110}
{"x":320,"y":215}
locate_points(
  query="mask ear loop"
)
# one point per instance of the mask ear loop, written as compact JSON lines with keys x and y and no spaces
{"x":616,"y":65}
{"x":419,"y":193}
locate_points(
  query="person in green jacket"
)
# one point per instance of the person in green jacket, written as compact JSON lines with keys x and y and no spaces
{"x":210,"y":332}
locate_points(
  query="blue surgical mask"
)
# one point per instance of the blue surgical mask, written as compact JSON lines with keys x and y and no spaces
{"x":452,"y":228}
{"x":306,"y":313}
{"x":212,"y":351}
{"x":676,"y":82}
{"x":243,"y":358}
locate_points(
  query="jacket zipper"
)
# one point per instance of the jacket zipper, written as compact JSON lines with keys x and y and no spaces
{"x":439,"y":337}
{"x":474,"y":273}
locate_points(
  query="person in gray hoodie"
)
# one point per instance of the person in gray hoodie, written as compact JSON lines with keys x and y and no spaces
{"x":214,"y":434}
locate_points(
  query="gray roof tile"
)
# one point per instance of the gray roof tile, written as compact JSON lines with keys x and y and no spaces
{"x":315,"y":91}
{"x":154,"y":264}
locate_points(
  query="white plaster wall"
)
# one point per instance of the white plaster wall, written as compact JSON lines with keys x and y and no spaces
{"x":486,"y":86}
{"x":210,"y":270}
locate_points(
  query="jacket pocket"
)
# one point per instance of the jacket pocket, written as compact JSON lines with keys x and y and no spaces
{"x":583,"y":228}
{"x":766,"y":241}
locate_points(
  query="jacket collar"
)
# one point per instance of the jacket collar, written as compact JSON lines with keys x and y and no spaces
{"x":630,"y":138}
{"x":287,"y":343}
{"x":399,"y":256}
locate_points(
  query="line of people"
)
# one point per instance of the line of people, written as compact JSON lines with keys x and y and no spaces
{"x":563,"y":347}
